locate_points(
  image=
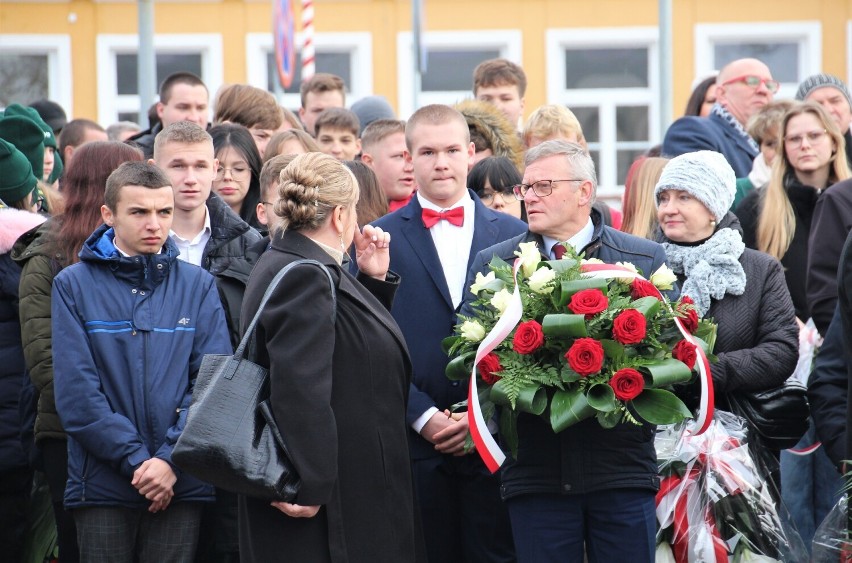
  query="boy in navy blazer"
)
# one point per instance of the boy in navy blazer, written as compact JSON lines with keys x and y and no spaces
{"x":436,"y":237}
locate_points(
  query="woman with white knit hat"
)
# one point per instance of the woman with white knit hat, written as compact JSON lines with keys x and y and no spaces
{"x":742,"y":290}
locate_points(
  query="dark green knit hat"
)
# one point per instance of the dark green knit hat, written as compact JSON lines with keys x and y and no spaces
{"x":49,"y":137}
{"x":27,"y":136}
{"x":17,"y":179}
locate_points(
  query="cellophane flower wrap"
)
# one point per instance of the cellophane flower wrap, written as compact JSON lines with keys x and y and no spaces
{"x":584,"y":347}
{"x":716,"y":503}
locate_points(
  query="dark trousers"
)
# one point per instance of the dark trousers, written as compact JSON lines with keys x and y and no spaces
{"x":55,"y":455}
{"x":464,"y":519}
{"x":612,"y":526}
{"x":107,"y":534}
{"x":15,"y":487}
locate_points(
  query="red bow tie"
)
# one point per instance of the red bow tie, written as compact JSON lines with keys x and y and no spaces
{"x":454,"y":216}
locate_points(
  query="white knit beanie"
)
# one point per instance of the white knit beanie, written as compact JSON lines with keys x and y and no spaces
{"x":705,"y":175}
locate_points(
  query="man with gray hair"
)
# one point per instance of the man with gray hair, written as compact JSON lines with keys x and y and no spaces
{"x":587,"y":488}
{"x":832,"y":94}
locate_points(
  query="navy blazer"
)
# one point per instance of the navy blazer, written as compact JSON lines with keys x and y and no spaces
{"x":423,"y":308}
{"x":713,"y":133}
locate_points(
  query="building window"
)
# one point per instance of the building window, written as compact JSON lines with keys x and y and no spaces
{"x":33,"y":67}
{"x":608,"y":78}
{"x":118,"y":91}
{"x":451,"y":58}
{"x":791,"y":50}
{"x":347,"y":55}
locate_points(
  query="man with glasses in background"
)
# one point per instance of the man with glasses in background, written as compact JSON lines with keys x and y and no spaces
{"x":743,"y":87}
{"x":587,"y":489}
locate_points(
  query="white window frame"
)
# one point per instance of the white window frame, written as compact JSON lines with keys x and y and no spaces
{"x":606,"y":99}
{"x":507,"y":42}
{"x":60,"y":76}
{"x":208,"y":45}
{"x":807,"y":34}
{"x":359,"y":45}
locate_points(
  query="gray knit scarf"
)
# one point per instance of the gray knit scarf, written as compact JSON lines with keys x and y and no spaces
{"x":712,"y":269}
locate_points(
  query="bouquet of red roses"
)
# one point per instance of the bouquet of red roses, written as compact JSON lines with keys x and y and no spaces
{"x":585,"y":345}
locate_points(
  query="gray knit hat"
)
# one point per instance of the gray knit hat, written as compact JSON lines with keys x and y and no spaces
{"x":818,"y":81}
{"x":706,"y":175}
{"x":372,"y":108}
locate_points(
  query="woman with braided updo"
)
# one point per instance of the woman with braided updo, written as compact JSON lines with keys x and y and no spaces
{"x":338,"y":386}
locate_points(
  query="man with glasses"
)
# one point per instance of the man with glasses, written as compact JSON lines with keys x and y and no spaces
{"x":587,"y":489}
{"x":743,"y":87}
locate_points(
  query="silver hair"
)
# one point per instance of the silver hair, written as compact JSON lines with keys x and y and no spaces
{"x":578,"y":159}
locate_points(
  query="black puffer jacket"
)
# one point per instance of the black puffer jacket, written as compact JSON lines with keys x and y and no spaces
{"x":757,"y":341}
{"x":225,"y":256}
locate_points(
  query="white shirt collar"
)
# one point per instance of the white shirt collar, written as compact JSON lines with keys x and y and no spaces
{"x":194,"y":240}
{"x":465,"y":201}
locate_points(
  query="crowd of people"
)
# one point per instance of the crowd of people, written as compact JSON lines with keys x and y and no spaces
{"x":126,"y":255}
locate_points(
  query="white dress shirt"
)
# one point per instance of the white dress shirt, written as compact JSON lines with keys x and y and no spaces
{"x":192,"y":251}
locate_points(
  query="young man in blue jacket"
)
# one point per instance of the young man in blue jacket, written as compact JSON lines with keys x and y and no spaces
{"x":131,"y":324}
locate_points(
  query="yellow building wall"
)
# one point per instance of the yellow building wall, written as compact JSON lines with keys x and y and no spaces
{"x":385,"y":18}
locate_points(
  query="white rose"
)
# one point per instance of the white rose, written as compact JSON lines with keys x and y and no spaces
{"x":664,"y":554}
{"x":663,"y":278}
{"x":592,"y":261}
{"x":472,"y":331}
{"x":501,"y":300}
{"x":539,"y":280}
{"x":481,"y":282}
{"x":627,"y":266}
{"x":530,"y":257}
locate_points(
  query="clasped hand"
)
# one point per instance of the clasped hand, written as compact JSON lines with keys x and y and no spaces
{"x":448,"y":431}
{"x":372,"y":251}
{"x":154,"y":480}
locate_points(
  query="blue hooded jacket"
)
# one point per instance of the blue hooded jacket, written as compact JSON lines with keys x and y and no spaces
{"x":129,"y":334}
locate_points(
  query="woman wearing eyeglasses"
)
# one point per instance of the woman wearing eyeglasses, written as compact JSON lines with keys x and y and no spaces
{"x":777,"y":219}
{"x":492,"y":179}
{"x":237,"y":180}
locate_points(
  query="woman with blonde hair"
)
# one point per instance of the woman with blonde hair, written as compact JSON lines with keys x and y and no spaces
{"x":638,"y":206}
{"x":777,"y":219}
{"x":338,"y":377}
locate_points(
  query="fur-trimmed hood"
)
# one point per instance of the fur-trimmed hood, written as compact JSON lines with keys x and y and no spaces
{"x":14,"y":223}
{"x":494,"y":126}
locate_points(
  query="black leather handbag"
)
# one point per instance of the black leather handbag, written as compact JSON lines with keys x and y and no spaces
{"x":779,"y":416}
{"x":230,"y":438}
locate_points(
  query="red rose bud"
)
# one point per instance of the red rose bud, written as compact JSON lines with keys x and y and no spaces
{"x":489,"y":367}
{"x":588,"y":302}
{"x":528,"y":338}
{"x":689,"y":315}
{"x":642,"y":288}
{"x":585,"y":356}
{"x":629,"y":327}
{"x":685,"y":352}
{"x":627,"y":384}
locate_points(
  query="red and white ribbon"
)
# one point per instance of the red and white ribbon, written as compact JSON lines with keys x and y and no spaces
{"x":808,"y":450}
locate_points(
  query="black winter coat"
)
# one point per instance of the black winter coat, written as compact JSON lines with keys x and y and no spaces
{"x":832,"y":221}
{"x":338,"y":393}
